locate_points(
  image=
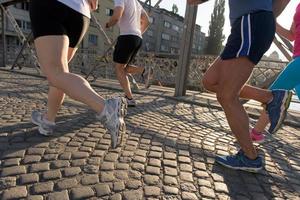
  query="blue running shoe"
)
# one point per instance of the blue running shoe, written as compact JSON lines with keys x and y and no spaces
{"x":277,"y":108}
{"x":240,"y":162}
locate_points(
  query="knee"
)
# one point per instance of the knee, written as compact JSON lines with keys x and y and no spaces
{"x":208,"y":83}
{"x":225,"y":98}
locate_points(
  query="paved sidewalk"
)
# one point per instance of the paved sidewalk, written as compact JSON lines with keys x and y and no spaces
{"x":167,"y":153}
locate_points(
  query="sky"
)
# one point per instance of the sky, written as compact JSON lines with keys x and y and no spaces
{"x":205,"y":10}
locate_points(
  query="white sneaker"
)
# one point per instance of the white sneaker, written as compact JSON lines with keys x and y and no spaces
{"x":113,"y":118}
{"x":45,"y":127}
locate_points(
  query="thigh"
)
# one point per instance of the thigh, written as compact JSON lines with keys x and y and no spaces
{"x":233,"y":74}
{"x":52,"y":52}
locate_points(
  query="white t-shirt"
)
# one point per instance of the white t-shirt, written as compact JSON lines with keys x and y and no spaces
{"x":130,"y":22}
{"x":81,"y":6}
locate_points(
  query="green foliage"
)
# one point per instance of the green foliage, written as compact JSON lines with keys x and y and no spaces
{"x":216,"y":25}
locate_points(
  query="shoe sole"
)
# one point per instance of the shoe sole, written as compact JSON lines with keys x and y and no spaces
{"x":122,"y":111}
{"x":247,"y":169}
{"x":258,"y":142}
{"x":284,"y":107}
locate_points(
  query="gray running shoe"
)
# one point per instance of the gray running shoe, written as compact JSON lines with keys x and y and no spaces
{"x":147,"y":76}
{"x":131,"y":102}
{"x":45,"y":128}
{"x":113,"y":118}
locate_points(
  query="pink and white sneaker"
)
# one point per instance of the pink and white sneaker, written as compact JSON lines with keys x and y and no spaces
{"x":257,"y":137}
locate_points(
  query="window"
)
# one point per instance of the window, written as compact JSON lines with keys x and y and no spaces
{"x":23,"y":6}
{"x":167,"y":24}
{"x":151,"y":20}
{"x":93,"y":39}
{"x":174,"y":50}
{"x":109,"y":12}
{"x":150,"y":33}
{"x":164,"y":48}
{"x":165,"y":36}
{"x":28,"y":25}
{"x":175,"y":28}
{"x":175,"y":38}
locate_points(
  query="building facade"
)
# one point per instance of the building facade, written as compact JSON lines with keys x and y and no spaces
{"x":93,"y":39}
{"x":165,"y":32}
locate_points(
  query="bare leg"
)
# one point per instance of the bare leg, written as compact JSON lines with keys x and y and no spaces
{"x":56,"y":96}
{"x":132,"y":69}
{"x":247,"y":92}
{"x":228,"y":78}
{"x":262,"y":122}
{"x":54,"y":62}
{"x":123,"y":79}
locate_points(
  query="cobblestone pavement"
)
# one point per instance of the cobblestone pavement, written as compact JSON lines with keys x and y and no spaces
{"x":167,"y":153}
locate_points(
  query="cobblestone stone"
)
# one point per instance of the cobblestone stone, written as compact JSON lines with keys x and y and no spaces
{"x":119,"y":186}
{"x":133,"y":184}
{"x":152,"y":191}
{"x":66,"y":183}
{"x":189,"y":196}
{"x":39,"y":167}
{"x":153,"y":170}
{"x":90,"y":180}
{"x":207,"y":192}
{"x":14,"y":193}
{"x":11,"y":162}
{"x":29,"y":178}
{"x":102,"y":190}
{"x":42,"y":188}
{"x":11,"y":171}
{"x":63,"y":195}
{"x":71,"y":171}
{"x":133,"y":194}
{"x":151,"y":180}
{"x":7,"y":182}
{"x":171,"y":190}
{"x":51,"y":175}
{"x":107,"y":166}
{"x":81,"y":193}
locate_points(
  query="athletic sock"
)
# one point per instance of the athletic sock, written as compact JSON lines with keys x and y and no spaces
{"x":102,"y":113}
{"x":128,"y":98}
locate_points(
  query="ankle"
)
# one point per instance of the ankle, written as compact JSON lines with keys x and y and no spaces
{"x":256,"y":132}
{"x":128,"y":97}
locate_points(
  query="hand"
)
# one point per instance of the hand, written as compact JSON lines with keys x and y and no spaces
{"x":93,"y":4}
{"x":195,"y":2}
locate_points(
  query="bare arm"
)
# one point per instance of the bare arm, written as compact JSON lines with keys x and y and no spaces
{"x":144,"y":22}
{"x":114,"y":19}
{"x":279,"y":6}
{"x":288,"y":34}
{"x":93,"y":4}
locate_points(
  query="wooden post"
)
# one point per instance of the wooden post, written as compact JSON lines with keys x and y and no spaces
{"x":185,"y":50}
{"x":3,"y":38}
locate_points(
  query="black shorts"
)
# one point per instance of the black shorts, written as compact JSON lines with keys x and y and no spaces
{"x":251,"y":36}
{"x":126,"y":48}
{"x":50,"y":17}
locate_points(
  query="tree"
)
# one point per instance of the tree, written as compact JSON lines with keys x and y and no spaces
{"x":216,"y":25}
{"x":175,"y":8}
